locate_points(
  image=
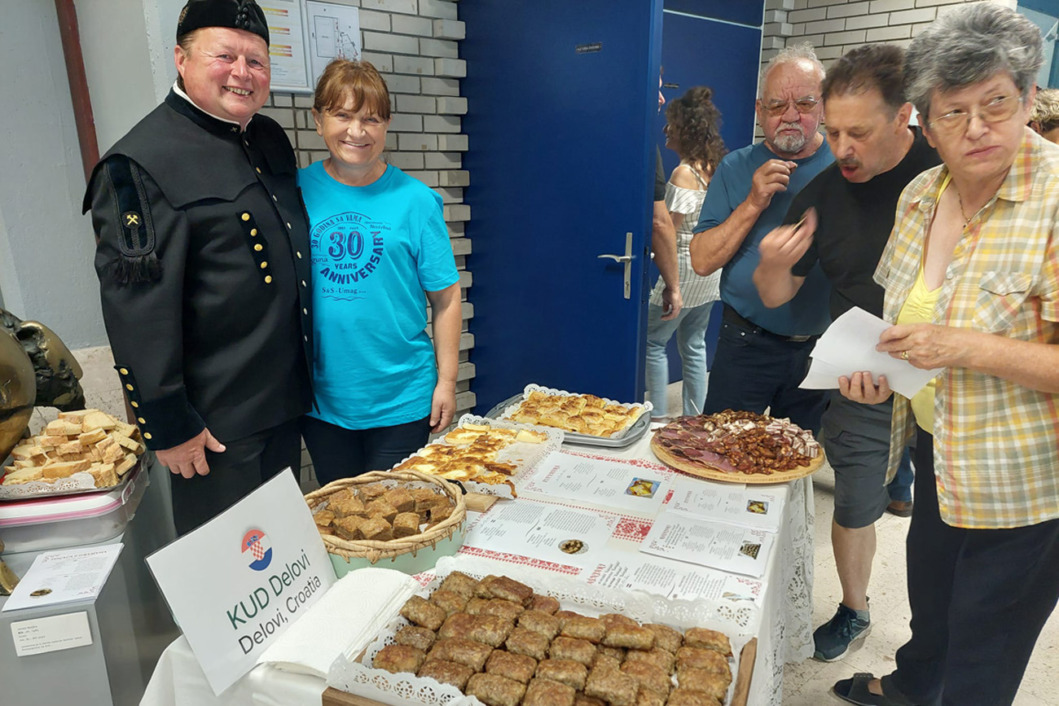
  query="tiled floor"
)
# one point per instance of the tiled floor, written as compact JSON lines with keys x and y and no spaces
{"x":809,"y":683}
{"x":805,"y":684}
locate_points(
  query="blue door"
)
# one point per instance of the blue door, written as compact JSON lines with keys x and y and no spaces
{"x":562,"y":104}
{"x":712,"y":43}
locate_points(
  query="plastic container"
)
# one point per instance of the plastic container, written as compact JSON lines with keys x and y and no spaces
{"x":72,"y":520}
{"x":409,"y":563}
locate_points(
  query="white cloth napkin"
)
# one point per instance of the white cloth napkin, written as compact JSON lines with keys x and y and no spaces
{"x":344,"y":621}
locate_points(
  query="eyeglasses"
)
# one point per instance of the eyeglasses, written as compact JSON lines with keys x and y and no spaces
{"x":956,"y":122}
{"x":802,"y":105}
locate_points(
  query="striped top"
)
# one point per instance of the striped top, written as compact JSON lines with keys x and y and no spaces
{"x":996,"y":443}
{"x":694,"y":289}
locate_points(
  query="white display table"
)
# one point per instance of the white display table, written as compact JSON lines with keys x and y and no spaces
{"x":784,"y":634}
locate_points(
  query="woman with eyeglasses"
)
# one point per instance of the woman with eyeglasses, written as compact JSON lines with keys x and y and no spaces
{"x":693,"y":132}
{"x":971,"y":273}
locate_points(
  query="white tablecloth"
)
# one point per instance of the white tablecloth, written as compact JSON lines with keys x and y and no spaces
{"x":785,"y":635}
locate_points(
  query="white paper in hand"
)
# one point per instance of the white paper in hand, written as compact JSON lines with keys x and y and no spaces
{"x":848,"y":346}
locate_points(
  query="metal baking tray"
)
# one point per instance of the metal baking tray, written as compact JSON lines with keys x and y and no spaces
{"x":631,"y":435}
{"x":46,"y":492}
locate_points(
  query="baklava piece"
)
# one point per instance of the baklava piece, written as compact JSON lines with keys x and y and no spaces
{"x":508,"y":610}
{"x":612,"y":686}
{"x":414,"y":636}
{"x":683,"y":697}
{"x":377,"y":529}
{"x":565,"y":671}
{"x":545,"y":692}
{"x":448,"y":601}
{"x":462,"y":650}
{"x":491,"y":629}
{"x":611,"y":619}
{"x":700,"y":658}
{"x":323,"y":518}
{"x":459,"y":582}
{"x":457,"y":625}
{"x":545,"y":604}
{"x":526,"y":642}
{"x":401,"y":499}
{"x":422,"y":612}
{"x":495,"y":691}
{"x":506,"y":588}
{"x":371,"y":491}
{"x":582,"y":700}
{"x":380,"y":508}
{"x":511,"y":665}
{"x":447,"y":672}
{"x":666,"y":637}
{"x":646,"y":697}
{"x":345,"y":506}
{"x":348,"y":527}
{"x":539,"y":622}
{"x":581,"y":651}
{"x":629,"y":636}
{"x":399,"y":658}
{"x":648,"y":676}
{"x":406,"y":524}
{"x":656,"y":656}
{"x":712,"y":683}
{"x":603,"y":661}
{"x":709,"y":640}
{"x":591,"y":629}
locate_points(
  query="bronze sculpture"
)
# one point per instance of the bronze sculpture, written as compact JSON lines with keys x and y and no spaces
{"x":36,"y":368}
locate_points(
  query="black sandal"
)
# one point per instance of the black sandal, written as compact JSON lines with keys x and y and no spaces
{"x":856,"y":691}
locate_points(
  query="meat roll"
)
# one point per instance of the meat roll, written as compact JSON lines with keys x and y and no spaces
{"x":422,"y":612}
{"x":415,"y":636}
{"x":565,"y":671}
{"x":495,"y":691}
{"x":511,"y":665}
{"x":399,"y":658}
{"x":447,"y":672}
{"x":545,"y":692}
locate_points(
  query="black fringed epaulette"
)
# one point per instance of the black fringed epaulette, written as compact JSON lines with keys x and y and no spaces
{"x":138,"y":263}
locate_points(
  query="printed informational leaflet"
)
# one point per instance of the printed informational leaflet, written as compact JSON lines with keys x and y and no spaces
{"x":237,"y":583}
{"x":715,"y":544}
{"x":609,"y":483}
{"x":757,"y":507}
{"x":64,"y":575}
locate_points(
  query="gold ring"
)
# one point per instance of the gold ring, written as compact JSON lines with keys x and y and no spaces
{"x":904,"y":355}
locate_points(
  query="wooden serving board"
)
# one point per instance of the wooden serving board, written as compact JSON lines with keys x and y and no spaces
{"x":731,"y":477}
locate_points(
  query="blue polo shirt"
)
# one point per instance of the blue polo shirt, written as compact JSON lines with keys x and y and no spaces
{"x":807,"y":313}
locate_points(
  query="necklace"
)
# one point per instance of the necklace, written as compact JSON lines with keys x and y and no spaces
{"x":963,"y":214}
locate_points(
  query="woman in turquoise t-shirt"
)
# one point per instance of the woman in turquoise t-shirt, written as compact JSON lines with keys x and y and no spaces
{"x":378,"y":241}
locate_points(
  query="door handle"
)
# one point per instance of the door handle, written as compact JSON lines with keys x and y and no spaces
{"x":625,"y":259}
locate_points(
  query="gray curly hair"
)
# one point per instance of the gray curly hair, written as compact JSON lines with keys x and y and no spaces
{"x":802,"y":51}
{"x":968,"y":45}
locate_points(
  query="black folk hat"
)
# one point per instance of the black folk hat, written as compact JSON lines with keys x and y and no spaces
{"x":233,"y":14}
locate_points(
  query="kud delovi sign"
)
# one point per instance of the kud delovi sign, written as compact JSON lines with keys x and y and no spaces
{"x":236,"y":583}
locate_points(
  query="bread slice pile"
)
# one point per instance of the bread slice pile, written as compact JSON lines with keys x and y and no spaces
{"x":86,"y":440}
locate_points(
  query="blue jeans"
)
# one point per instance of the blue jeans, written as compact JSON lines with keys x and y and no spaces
{"x":900,"y":487}
{"x":753,"y":370}
{"x":690,"y":326}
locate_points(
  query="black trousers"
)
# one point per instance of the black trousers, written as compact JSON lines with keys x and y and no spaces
{"x":242,"y":467}
{"x":345,"y":453}
{"x":979,"y":599}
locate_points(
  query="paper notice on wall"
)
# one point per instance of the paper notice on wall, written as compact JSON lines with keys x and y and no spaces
{"x":286,"y":49}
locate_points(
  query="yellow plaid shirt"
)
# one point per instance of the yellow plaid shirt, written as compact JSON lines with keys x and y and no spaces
{"x":996,"y":443}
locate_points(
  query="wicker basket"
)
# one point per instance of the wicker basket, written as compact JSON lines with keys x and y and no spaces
{"x":373,"y":550}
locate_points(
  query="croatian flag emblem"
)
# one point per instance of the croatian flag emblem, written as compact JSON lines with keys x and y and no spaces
{"x":260,"y":549}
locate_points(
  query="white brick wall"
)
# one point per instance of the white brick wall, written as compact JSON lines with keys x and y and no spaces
{"x":415,"y":46}
{"x":834,"y":27}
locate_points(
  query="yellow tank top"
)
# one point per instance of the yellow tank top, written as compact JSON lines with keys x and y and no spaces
{"x":919,"y":309}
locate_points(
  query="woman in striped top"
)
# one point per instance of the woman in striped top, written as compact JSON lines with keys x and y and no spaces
{"x":693,"y":132}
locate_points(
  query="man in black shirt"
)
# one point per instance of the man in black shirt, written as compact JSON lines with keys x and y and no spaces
{"x":849,"y":211}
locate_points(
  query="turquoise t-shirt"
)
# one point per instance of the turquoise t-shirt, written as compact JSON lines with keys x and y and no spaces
{"x":375,"y":250}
